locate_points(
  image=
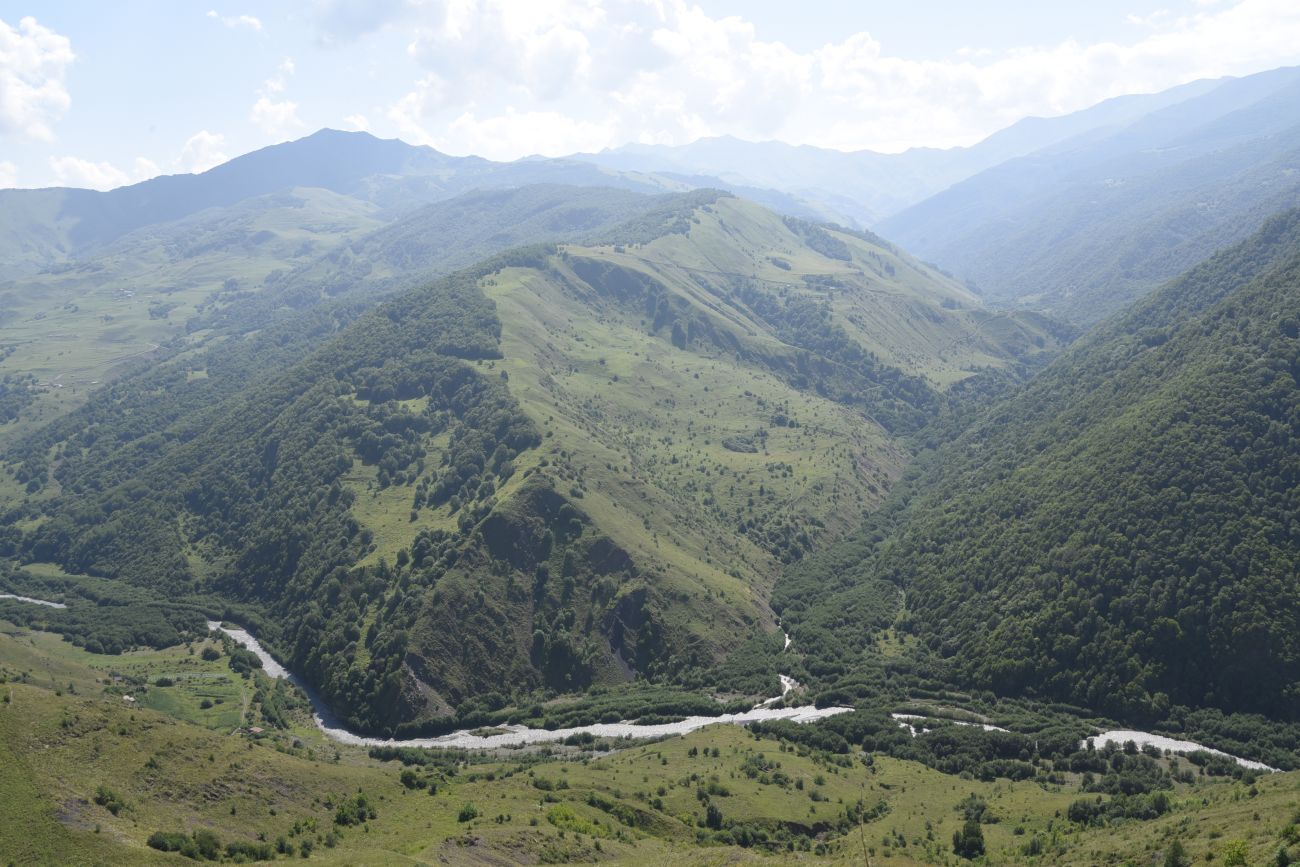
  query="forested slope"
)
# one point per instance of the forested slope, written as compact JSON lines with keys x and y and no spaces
{"x":1122,"y":533}
{"x":560,"y":468}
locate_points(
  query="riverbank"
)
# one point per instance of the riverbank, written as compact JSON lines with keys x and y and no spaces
{"x":518,"y":736}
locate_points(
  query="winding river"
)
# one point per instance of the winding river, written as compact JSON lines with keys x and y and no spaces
{"x":518,"y":735}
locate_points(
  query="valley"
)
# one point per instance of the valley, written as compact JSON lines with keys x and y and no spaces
{"x":721,"y":503}
{"x":251,"y":785}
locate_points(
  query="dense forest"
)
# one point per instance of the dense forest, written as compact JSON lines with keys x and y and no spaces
{"x":243,"y":497}
{"x":1120,"y":534}
{"x":364,"y":503}
{"x":1108,"y":535}
{"x":362,"y":487}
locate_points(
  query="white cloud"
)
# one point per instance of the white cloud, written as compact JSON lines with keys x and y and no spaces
{"x":427,"y":99}
{"x":76,"y":172}
{"x":33,"y":63}
{"x":238,"y":22}
{"x":8,"y":174}
{"x":145,"y":169}
{"x":278,"y":82}
{"x":276,"y":117}
{"x":507,"y":77}
{"x":513,"y":134}
{"x":357,"y":122}
{"x":202,"y":151}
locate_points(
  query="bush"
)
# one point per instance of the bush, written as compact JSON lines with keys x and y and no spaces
{"x":355,"y":810}
{"x":242,"y":851}
{"x":1235,"y":853}
{"x":1176,"y":855}
{"x":467,"y":813}
{"x":167,"y":841}
{"x":969,"y":841}
{"x":207,"y":845}
{"x":109,"y":800}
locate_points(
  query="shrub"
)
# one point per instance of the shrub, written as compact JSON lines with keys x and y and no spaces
{"x":969,"y":841}
{"x":1235,"y":853}
{"x":109,"y":800}
{"x":207,"y":845}
{"x":355,"y":810}
{"x":167,"y":841}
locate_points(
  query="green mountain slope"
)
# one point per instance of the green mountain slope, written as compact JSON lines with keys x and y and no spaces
{"x":1121,"y":534}
{"x":207,"y":756}
{"x":561,"y":468}
{"x":174,"y":287}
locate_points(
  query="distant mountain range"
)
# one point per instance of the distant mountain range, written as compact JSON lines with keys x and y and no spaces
{"x":48,"y":227}
{"x":864,"y":187}
{"x":1083,"y":227}
{"x":1075,"y":215}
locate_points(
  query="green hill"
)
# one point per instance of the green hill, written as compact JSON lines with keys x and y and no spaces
{"x":561,"y":468}
{"x":175,"y":287}
{"x":1120,"y":534}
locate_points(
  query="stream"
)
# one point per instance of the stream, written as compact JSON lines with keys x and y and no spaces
{"x":33,"y":601}
{"x":518,"y":735}
{"x":905,"y":720}
{"x":1161,"y":742}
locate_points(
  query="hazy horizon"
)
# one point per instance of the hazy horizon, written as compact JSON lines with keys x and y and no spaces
{"x":504,"y":80}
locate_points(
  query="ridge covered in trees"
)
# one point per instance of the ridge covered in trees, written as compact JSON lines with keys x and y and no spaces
{"x":1120,"y":533}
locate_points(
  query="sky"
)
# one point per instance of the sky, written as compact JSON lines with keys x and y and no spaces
{"x":104,"y":94}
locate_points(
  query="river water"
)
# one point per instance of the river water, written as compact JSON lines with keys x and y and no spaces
{"x":905,"y":720}
{"x":33,"y":601}
{"x":1161,"y":742}
{"x":517,"y":735}
{"x":511,"y":736}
